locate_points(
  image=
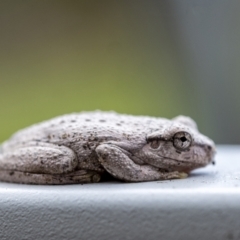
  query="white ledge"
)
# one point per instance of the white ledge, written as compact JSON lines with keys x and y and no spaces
{"x":204,"y":206}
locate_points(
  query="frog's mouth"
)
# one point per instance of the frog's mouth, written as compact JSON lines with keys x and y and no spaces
{"x":182,"y":162}
{"x":176,"y":164}
{"x":197,"y":156}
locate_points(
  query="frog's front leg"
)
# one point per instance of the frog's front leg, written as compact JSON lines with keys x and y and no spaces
{"x":117,"y":162}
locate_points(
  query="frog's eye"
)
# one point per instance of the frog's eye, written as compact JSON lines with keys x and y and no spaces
{"x":154,"y":144}
{"x":182,"y":140}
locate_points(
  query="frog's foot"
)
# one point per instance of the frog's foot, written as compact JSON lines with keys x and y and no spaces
{"x":117,"y":162}
{"x":80,"y":176}
{"x":40,"y":159}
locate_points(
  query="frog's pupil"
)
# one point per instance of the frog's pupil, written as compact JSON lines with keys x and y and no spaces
{"x":183,"y":139}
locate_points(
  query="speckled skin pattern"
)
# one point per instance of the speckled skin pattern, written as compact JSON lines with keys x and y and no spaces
{"x":82,"y":147}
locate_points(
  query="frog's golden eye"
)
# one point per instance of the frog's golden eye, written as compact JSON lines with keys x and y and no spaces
{"x":154,"y":144}
{"x":182,"y":140}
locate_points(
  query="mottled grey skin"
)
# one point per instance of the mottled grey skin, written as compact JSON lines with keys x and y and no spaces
{"x":81,"y":147}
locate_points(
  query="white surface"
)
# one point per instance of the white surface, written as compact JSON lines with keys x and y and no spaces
{"x":204,"y":206}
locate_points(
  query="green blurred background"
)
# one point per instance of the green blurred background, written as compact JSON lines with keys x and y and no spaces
{"x":136,"y":57}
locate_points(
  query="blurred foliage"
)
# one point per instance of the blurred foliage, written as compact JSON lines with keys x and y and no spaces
{"x":67,"y":56}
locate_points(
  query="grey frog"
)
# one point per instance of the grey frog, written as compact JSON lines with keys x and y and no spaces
{"x":82,"y":147}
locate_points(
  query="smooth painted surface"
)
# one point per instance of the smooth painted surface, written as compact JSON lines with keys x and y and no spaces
{"x":204,"y":206}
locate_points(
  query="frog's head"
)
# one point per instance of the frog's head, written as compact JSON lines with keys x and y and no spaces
{"x":178,"y":147}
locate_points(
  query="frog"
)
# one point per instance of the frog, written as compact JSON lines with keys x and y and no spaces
{"x":86,"y":147}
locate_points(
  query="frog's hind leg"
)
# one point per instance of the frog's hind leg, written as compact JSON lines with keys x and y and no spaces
{"x":37,"y":159}
{"x":45,"y":158}
{"x":80,"y":176}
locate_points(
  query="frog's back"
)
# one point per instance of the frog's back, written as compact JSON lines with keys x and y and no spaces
{"x":77,"y":126}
